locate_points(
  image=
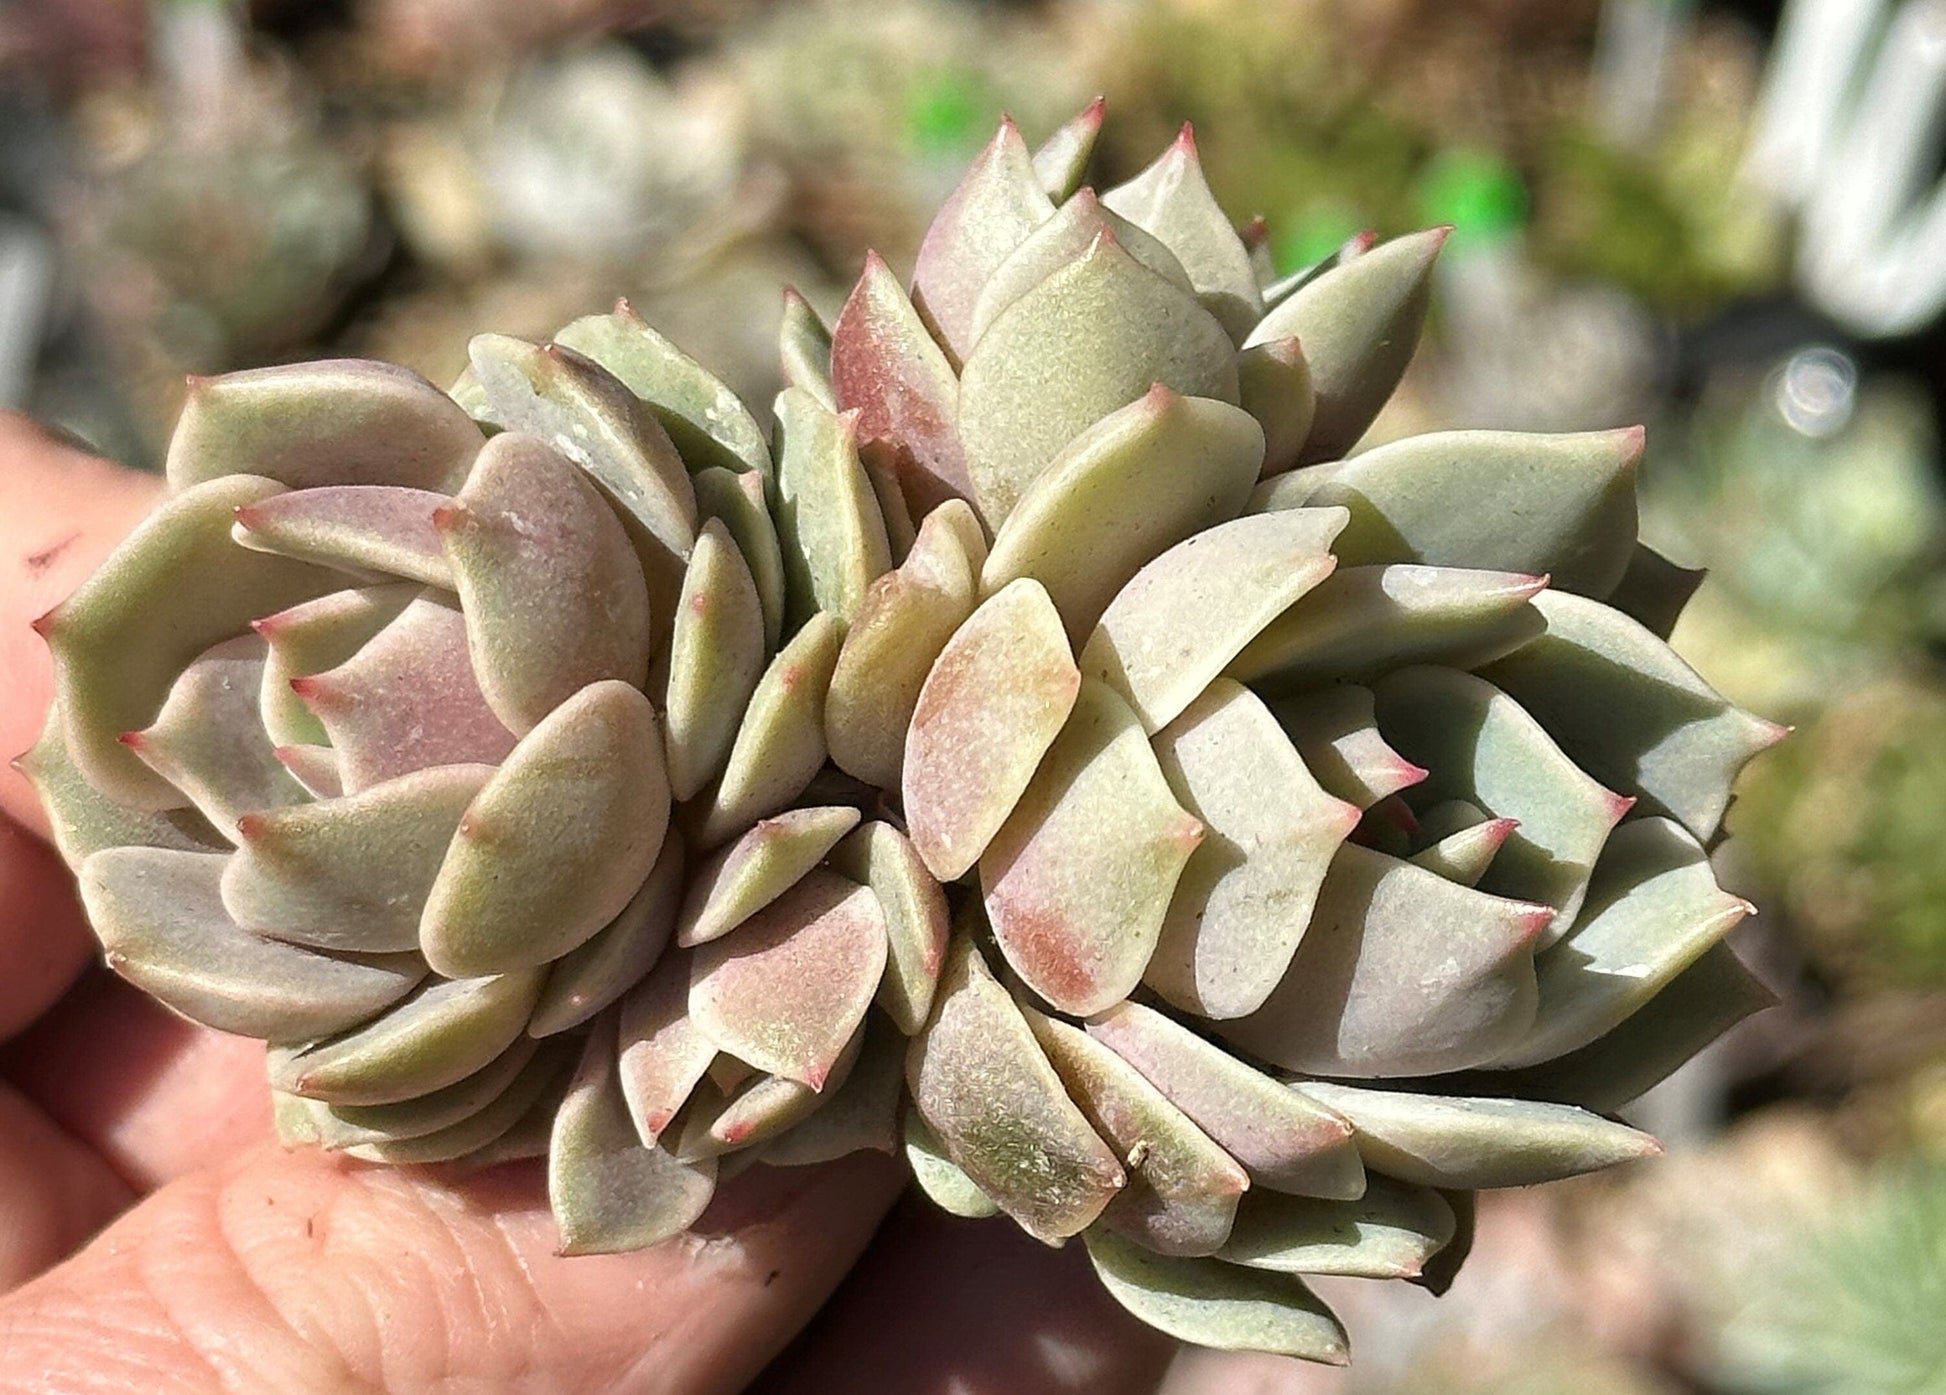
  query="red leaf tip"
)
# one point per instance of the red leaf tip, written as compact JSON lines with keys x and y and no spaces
{"x":1186,"y":138}
{"x":46,"y":622}
{"x":134,"y":740}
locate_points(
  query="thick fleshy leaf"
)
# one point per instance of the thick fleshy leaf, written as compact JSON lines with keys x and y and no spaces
{"x":1418,"y":500}
{"x":1171,"y":200}
{"x":1400,"y":973}
{"x":1274,"y":385}
{"x":786,"y":992}
{"x":1653,"y":909}
{"x":1388,"y":1233}
{"x":552,"y":593}
{"x":998,"y":202}
{"x":756,"y":1111}
{"x":540,"y":1077}
{"x":592,"y":975}
{"x":1057,"y":243}
{"x":1654,"y":590}
{"x":558,"y":840}
{"x":174,"y":587}
{"x":207,"y":742}
{"x":1450,"y":1141}
{"x":1215,"y":1304}
{"x":576,"y":407}
{"x":1189,"y":612}
{"x":886,"y":366}
{"x":1336,"y":732}
{"x":608,"y":1192}
{"x":1360,"y":621}
{"x":779,"y":745}
{"x":939,"y":1177}
{"x":528,"y":1138}
{"x":706,"y":421}
{"x":84,"y":821}
{"x":828,"y":519}
{"x":345,"y":1125}
{"x":1460,"y":841}
{"x":441,"y":1034}
{"x":1063,"y":157}
{"x":1182,"y":1189}
{"x":160,"y":919}
{"x":407,"y":700}
{"x":1270,"y":831}
{"x":1480,"y":746}
{"x":743,"y":878}
{"x":317,"y":768}
{"x":1657,"y":730}
{"x":1092,"y":337}
{"x":1285,"y":1142}
{"x":990,"y":707}
{"x":916,"y":924}
{"x":904,"y":622}
{"x":741,"y":502}
{"x":1359,"y":323}
{"x":862,"y":1113}
{"x":1140,"y":480}
{"x":350,"y":873}
{"x":1278,"y":289}
{"x":315,"y":636}
{"x":663,"y":1052}
{"x":363,"y":528}
{"x":339,"y":421}
{"x":999,"y":1110}
{"x":1703,"y":1002}
{"x":804,"y":344}
{"x":1078,"y":879}
{"x":716,"y":656}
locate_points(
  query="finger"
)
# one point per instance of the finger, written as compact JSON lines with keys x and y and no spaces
{"x":942,"y":1306}
{"x":44,"y":940}
{"x":154,"y":1096}
{"x":299,"y":1272}
{"x":54,"y":1192}
{"x":61,"y":510}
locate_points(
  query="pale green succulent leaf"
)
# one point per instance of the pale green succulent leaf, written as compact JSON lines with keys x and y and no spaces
{"x":598,"y":972}
{"x":1062,"y":159}
{"x":1455,"y":1141}
{"x":1140,"y":480}
{"x":536,"y":1081}
{"x":877,"y":855}
{"x":1388,"y":1233}
{"x":446,"y":1030}
{"x":362,"y":528}
{"x":741,"y":503}
{"x":991,"y":705}
{"x":716,"y":655}
{"x":1094,"y":336}
{"x":1420,"y":500}
{"x":1654,"y":590}
{"x":804,"y":344}
{"x":349,"y":873}
{"x":560,"y":838}
{"x":1336,"y":733}
{"x":609,"y":1193}
{"x":1361,"y":621}
{"x":1172,"y":201}
{"x":84,"y":821}
{"x":159,"y":916}
{"x":1400,"y":973}
{"x":1460,"y":841}
{"x":1274,"y":386}
{"x":1269,"y":833}
{"x":340,"y":421}
{"x":939,"y":1177}
{"x":1633,"y":714}
{"x":1219,"y":1305}
{"x":828,"y":519}
{"x":787,"y":990}
{"x":742,"y":878}
{"x":998,"y":1109}
{"x":779,"y":745}
{"x":1482,"y":747}
{"x":1359,"y":323}
{"x":1187,"y":614}
{"x":860,"y":1114}
{"x":1284,"y":1141}
{"x":317,"y":768}
{"x":1078,"y":879}
{"x":552,"y":594}
{"x":315,"y":636}
{"x":762,"y":1108}
{"x":347,"y":1125}
{"x":663,"y":1053}
{"x":708,"y":424}
{"x":1182,"y":1190}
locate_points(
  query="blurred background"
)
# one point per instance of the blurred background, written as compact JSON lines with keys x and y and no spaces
{"x":1725,"y":220}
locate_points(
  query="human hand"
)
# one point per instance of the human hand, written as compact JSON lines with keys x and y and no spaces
{"x":229,"y":1263}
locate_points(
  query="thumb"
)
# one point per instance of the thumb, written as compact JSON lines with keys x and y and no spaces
{"x":299,"y":1271}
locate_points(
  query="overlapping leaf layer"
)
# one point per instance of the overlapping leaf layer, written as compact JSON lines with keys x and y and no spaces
{"x":1053,"y":757}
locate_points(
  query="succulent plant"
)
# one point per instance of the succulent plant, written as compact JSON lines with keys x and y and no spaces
{"x":1059,"y":760}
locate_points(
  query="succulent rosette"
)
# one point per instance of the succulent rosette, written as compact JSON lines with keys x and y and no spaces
{"x":1057,"y":756}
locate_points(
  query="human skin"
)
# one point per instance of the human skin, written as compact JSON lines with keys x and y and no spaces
{"x":154,"y":1236}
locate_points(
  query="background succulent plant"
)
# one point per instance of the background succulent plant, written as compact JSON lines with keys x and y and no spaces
{"x":1059,"y":759}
